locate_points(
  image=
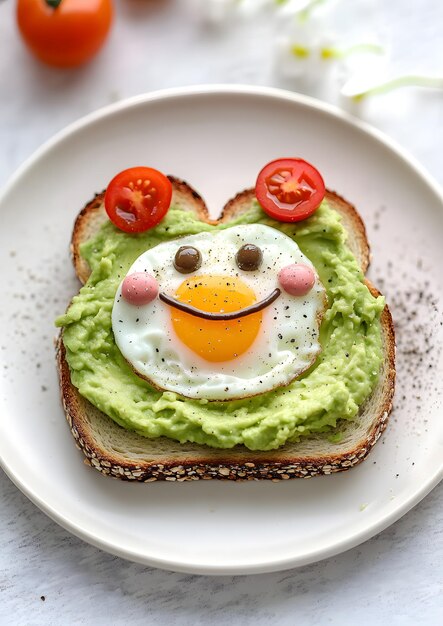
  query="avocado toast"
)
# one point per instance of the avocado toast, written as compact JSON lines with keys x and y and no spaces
{"x":124,"y":453}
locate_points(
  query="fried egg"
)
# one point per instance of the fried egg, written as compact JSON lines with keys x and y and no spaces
{"x":220,"y":315}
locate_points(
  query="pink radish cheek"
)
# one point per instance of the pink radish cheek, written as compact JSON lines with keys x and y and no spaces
{"x":139,"y":288}
{"x":297,"y":279}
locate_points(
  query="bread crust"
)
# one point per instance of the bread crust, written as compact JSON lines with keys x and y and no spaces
{"x":194,"y":461}
{"x":93,"y":215}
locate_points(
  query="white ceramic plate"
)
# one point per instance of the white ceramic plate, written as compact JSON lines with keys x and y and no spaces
{"x":218,"y":139}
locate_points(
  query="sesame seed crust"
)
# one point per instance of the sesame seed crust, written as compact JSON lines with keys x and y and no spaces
{"x":236,"y":472}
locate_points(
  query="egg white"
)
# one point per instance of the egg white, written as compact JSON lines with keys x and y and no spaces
{"x":287,"y":342}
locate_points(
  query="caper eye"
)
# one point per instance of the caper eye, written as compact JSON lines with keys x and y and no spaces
{"x":249,"y":257}
{"x":187,"y":259}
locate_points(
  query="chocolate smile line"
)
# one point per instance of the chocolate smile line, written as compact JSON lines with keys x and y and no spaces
{"x":233,"y":315}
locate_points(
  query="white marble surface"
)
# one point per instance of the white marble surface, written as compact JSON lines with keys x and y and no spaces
{"x":49,"y":577}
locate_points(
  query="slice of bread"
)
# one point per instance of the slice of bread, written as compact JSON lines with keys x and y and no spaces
{"x":121,"y":453}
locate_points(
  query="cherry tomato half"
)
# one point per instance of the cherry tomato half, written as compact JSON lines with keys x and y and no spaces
{"x":138,"y":199}
{"x":289,"y":190}
{"x":64,"y":33}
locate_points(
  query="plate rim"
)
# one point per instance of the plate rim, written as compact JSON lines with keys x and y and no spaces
{"x":229,"y":570}
{"x":370,"y":529}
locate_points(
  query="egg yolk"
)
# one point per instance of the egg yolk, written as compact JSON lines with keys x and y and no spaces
{"x":216,"y":340}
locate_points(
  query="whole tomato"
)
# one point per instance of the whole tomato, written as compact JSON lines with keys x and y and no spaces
{"x":64,"y":33}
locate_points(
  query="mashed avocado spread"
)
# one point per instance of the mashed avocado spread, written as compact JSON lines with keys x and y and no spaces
{"x":342,"y":377}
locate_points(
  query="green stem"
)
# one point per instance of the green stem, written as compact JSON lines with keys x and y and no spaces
{"x":54,"y":4}
{"x":305,"y":13}
{"x":412,"y":80}
{"x":336,"y":53}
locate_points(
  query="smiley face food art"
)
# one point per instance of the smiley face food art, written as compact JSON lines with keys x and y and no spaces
{"x":222,"y":334}
{"x":221,"y":315}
